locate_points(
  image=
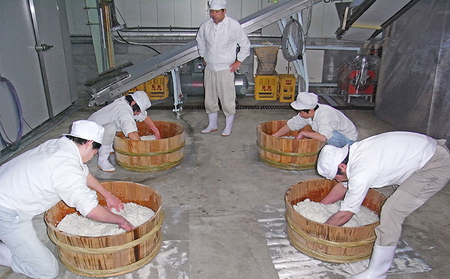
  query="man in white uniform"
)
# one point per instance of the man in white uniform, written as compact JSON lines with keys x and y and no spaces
{"x":121,"y":115}
{"x":217,"y":42}
{"x":35,"y":181}
{"x":419,"y":164}
{"x":329,"y":125}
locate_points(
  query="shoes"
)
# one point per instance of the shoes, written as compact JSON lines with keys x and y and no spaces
{"x":212,"y":125}
{"x":103,"y":163}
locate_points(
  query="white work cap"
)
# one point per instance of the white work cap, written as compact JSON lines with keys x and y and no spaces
{"x":142,"y":100}
{"x":217,"y":4}
{"x":88,"y":130}
{"x":329,"y":159}
{"x":305,"y":100}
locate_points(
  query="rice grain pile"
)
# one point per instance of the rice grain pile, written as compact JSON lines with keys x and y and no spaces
{"x":320,"y":213}
{"x":149,"y":137}
{"x":79,"y":225}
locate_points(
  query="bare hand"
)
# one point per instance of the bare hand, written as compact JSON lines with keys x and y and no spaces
{"x":300,"y":136}
{"x":115,"y":202}
{"x":235,"y":66}
{"x":157,"y":133}
{"x":125,"y":225}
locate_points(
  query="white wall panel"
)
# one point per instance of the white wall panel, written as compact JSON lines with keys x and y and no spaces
{"x":166,"y":12}
{"x":52,"y":31}
{"x":182,"y":13}
{"x":314,"y":60}
{"x":248,"y":7}
{"x":191,"y":13}
{"x":148,"y":12}
{"x":199,"y":9}
{"x":19,"y":61}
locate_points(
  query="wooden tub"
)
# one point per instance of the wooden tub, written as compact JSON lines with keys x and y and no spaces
{"x":326,"y":242}
{"x":286,"y":153}
{"x":151,"y":155}
{"x":110,"y":255}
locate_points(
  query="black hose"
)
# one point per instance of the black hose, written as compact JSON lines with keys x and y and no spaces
{"x":12,"y":145}
{"x":294,"y":30}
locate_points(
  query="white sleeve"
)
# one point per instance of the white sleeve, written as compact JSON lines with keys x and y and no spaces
{"x":296,"y":123}
{"x":244,"y":44}
{"x":201,"y":42}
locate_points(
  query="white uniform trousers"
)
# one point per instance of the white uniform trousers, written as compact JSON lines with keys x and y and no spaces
{"x":412,"y":194}
{"x":29,"y":255}
{"x":220,"y":86}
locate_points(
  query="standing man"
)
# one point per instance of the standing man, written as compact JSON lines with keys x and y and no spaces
{"x":217,"y":42}
{"x":329,"y":125}
{"x":121,"y":115}
{"x":37,"y":180}
{"x":419,"y":164}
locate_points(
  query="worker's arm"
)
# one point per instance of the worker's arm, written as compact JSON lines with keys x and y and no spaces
{"x":149,"y":122}
{"x":101,"y":214}
{"x":134,"y":136}
{"x":311,"y":135}
{"x":111,"y":200}
{"x":336,"y":193}
{"x":282,"y":131}
{"x":339,"y":218}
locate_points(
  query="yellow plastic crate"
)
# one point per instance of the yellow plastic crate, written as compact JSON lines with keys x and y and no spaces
{"x":266,"y":87}
{"x":157,"y":88}
{"x":140,"y":87}
{"x":286,"y":88}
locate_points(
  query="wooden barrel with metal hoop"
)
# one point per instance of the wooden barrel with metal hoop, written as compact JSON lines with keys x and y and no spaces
{"x":286,"y":152}
{"x":110,"y":255}
{"x":151,"y":155}
{"x":326,"y":242}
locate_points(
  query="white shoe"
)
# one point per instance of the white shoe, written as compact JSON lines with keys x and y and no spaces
{"x":228,"y":126}
{"x":212,"y":125}
{"x":380,"y":262}
{"x":103,"y":163}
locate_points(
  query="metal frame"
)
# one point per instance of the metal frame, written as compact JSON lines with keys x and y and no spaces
{"x":169,"y":60}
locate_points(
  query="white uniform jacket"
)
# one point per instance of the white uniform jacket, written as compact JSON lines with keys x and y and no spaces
{"x":121,"y":114}
{"x":39,"y":178}
{"x":382,"y":160}
{"x":217,"y":43}
{"x":326,"y":120}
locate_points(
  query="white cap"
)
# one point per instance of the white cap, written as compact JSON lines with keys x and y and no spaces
{"x":305,"y":100}
{"x":217,"y":4}
{"x":329,"y":159}
{"x":88,"y":130}
{"x":142,"y":100}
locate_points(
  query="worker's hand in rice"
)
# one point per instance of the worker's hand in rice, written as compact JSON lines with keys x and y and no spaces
{"x":125,"y":225}
{"x":156,"y":133}
{"x":114,"y":202}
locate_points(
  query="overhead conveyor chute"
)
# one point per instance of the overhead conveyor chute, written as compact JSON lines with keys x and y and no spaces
{"x":134,"y":75}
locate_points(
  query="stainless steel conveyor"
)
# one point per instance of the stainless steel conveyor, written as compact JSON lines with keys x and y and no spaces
{"x":134,"y":75}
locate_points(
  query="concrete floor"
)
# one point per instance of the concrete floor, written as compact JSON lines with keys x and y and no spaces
{"x":221,"y":180}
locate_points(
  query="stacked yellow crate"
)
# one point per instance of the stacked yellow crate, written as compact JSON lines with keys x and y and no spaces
{"x":156,"y":89}
{"x":286,"y":88}
{"x":266,"y":87}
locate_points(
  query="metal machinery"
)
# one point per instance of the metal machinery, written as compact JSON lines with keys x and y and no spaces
{"x":113,"y":83}
{"x":193,"y":81}
{"x":357,"y":78}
